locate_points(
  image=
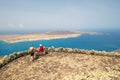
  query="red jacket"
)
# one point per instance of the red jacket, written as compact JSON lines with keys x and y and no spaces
{"x":41,"y":49}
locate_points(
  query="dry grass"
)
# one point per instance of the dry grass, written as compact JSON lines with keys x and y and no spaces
{"x":62,"y":66}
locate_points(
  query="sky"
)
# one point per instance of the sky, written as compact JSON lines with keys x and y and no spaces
{"x":38,"y":15}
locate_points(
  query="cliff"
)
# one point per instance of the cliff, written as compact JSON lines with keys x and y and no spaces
{"x":62,"y":64}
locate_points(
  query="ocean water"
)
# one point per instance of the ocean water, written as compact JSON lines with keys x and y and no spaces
{"x":108,"y":41}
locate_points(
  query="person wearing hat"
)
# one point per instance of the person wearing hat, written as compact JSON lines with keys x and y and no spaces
{"x":41,"y":49}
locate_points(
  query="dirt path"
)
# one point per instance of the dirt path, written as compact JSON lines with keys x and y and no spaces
{"x":55,"y":66}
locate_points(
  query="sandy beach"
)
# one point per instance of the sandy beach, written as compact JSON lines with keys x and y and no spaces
{"x":43,"y":36}
{"x":32,"y":37}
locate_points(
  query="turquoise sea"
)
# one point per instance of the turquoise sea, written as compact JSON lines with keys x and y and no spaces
{"x":108,"y":41}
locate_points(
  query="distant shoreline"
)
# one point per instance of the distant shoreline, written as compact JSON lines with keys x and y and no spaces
{"x":33,"y":37}
{"x":43,"y":36}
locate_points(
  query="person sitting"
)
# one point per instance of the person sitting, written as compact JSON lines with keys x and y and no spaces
{"x":41,"y":49}
{"x":31,"y":52}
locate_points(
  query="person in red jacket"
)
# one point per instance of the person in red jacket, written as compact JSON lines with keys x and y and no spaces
{"x":41,"y":49}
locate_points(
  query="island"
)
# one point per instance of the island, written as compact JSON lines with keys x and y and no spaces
{"x":42,"y":36}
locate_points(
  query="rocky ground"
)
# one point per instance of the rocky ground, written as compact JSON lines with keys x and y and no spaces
{"x":62,"y":66}
{"x":1,"y":57}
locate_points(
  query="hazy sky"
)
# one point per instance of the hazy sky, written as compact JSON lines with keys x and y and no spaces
{"x":28,"y":15}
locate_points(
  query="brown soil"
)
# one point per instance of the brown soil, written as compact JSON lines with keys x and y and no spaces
{"x":1,"y":57}
{"x":55,"y":66}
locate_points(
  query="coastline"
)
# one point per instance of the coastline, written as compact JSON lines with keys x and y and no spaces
{"x":44,"y":36}
{"x":33,"y":37}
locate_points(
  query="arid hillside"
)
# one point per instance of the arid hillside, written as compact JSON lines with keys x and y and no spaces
{"x":62,"y":66}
